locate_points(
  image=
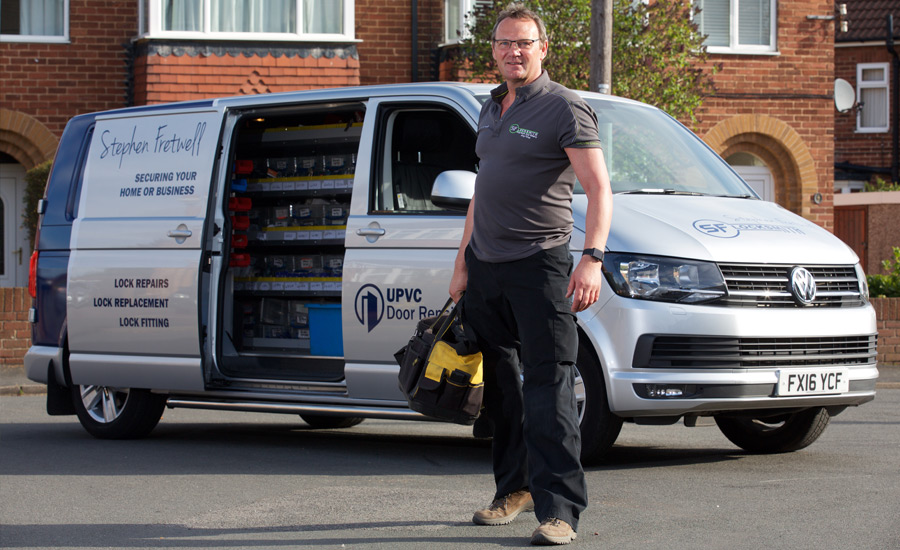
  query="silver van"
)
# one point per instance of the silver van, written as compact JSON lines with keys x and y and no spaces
{"x":271,"y":253}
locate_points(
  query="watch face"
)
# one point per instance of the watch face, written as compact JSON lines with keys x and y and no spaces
{"x":593,"y":253}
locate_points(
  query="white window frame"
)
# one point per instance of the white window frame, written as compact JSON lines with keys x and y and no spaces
{"x":465,"y":7}
{"x":860,"y":85}
{"x":44,"y":39}
{"x":748,"y":49}
{"x":150,"y":25}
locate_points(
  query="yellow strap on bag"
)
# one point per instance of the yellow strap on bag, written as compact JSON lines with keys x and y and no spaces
{"x":444,"y":358}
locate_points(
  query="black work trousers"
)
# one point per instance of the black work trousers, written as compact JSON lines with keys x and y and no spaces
{"x":524,"y":324}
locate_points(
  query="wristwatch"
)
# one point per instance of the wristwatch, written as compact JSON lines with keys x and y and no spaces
{"x":594,"y":253}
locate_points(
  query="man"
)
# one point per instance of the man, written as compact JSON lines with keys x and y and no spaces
{"x":534,"y":137}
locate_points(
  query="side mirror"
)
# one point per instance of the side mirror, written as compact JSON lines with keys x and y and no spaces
{"x":453,"y":189}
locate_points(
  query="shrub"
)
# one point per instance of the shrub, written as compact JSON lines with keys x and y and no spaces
{"x":35,"y":183}
{"x":887,"y":286}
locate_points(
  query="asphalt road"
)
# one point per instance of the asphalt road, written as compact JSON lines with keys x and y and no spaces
{"x":243,"y":480}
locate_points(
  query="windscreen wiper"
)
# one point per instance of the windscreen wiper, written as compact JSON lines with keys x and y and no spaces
{"x":659,"y":191}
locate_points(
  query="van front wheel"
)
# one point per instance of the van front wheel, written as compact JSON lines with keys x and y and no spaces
{"x":599,"y":426}
{"x":117,"y":413}
{"x":780,"y":434}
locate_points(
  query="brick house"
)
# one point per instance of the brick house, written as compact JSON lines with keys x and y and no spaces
{"x":771,"y":117}
{"x":865,"y":149}
{"x":863,"y":142}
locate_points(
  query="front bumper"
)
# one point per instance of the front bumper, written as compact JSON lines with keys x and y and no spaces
{"x":719,"y":385}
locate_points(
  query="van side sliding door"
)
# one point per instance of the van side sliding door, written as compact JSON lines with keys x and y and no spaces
{"x":400,"y":246}
{"x":137,"y":250}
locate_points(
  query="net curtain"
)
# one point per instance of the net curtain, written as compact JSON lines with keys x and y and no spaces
{"x":271,"y":16}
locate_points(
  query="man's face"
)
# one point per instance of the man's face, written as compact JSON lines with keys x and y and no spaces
{"x":518,"y":65}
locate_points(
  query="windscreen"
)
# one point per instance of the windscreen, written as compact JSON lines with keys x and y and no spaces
{"x":648,"y":151}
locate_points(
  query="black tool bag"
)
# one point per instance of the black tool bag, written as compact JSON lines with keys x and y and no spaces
{"x":441,"y":368}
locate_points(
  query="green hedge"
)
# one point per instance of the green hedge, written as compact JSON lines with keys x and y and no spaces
{"x":887,"y":286}
{"x":35,"y":183}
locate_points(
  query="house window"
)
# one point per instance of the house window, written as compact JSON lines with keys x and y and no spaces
{"x":872,"y":95}
{"x":738,"y":26}
{"x":34,"y":20}
{"x":320,"y":20}
{"x":457,"y":15}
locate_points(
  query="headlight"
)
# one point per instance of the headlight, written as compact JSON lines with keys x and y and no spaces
{"x":863,"y":283}
{"x":663,"y":279}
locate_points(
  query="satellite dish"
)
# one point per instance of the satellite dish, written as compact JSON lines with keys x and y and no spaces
{"x":844,"y":95}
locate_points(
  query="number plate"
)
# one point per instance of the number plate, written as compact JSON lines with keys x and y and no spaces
{"x":812,"y":381}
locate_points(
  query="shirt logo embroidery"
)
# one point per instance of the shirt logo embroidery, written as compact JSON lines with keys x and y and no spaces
{"x":527,"y":134}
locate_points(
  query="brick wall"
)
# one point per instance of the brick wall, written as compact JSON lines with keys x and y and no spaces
{"x":867,"y":149}
{"x":887,"y":311}
{"x":15,"y":331}
{"x":795,"y":88}
{"x":385,"y":29}
{"x":54,"y":82}
{"x":167,"y":71}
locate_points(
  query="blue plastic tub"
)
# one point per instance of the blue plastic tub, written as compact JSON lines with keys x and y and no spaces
{"x":325,"y":335}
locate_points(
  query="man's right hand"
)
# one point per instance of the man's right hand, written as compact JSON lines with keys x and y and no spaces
{"x":458,"y":282}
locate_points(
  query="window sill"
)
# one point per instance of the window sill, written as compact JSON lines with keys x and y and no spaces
{"x":16,"y":38}
{"x":249,"y":37}
{"x":730,"y":51}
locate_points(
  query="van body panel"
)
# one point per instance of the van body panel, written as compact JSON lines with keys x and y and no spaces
{"x":134,"y":269}
{"x":719,"y":229}
{"x":133,"y":371}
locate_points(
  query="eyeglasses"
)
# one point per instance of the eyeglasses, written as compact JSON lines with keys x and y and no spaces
{"x":524,"y":44}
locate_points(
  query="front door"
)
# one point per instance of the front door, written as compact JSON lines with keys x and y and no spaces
{"x":14,"y":246}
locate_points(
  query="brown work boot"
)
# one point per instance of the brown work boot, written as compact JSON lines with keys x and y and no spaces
{"x":505,"y":509}
{"x":553,"y":531}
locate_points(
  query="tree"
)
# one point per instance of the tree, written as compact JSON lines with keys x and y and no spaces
{"x":658,"y":52}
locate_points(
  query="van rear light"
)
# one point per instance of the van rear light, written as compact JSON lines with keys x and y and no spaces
{"x":32,"y":275}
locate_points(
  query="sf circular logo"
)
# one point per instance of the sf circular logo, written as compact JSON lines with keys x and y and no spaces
{"x":718,"y":229}
{"x":513,"y":128}
{"x":369,"y":306}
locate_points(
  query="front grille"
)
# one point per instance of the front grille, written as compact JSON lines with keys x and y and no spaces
{"x":754,"y":285}
{"x":709,"y":352}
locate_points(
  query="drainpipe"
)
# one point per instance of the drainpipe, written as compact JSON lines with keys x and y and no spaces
{"x":895,"y":100}
{"x":415,"y":40}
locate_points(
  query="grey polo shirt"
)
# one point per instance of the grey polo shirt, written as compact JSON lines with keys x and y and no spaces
{"x":523,"y":192}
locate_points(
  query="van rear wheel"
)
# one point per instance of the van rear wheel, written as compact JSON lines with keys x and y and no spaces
{"x":321,"y":422}
{"x":117,"y":413}
{"x":779,"y":434}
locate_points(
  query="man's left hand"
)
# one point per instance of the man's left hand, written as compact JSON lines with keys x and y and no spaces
{"x":585,"y":283}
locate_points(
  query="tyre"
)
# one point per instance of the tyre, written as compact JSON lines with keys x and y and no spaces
{"x":320,"y":422}
{"x":599,"y":427}
{"x":778,"y":434}
{"x":117,"y":413}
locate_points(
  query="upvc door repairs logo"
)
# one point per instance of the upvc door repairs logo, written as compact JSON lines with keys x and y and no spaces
{"x":527,"y":134}
{"x":372,"y":306}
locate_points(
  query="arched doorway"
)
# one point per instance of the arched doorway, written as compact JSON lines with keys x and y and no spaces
{"x":24,"y":143}
{"x":776,"y":146}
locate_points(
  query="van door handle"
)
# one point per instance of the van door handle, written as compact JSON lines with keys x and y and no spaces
{"x":180,"y":233}
{"x":371,"y":233}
